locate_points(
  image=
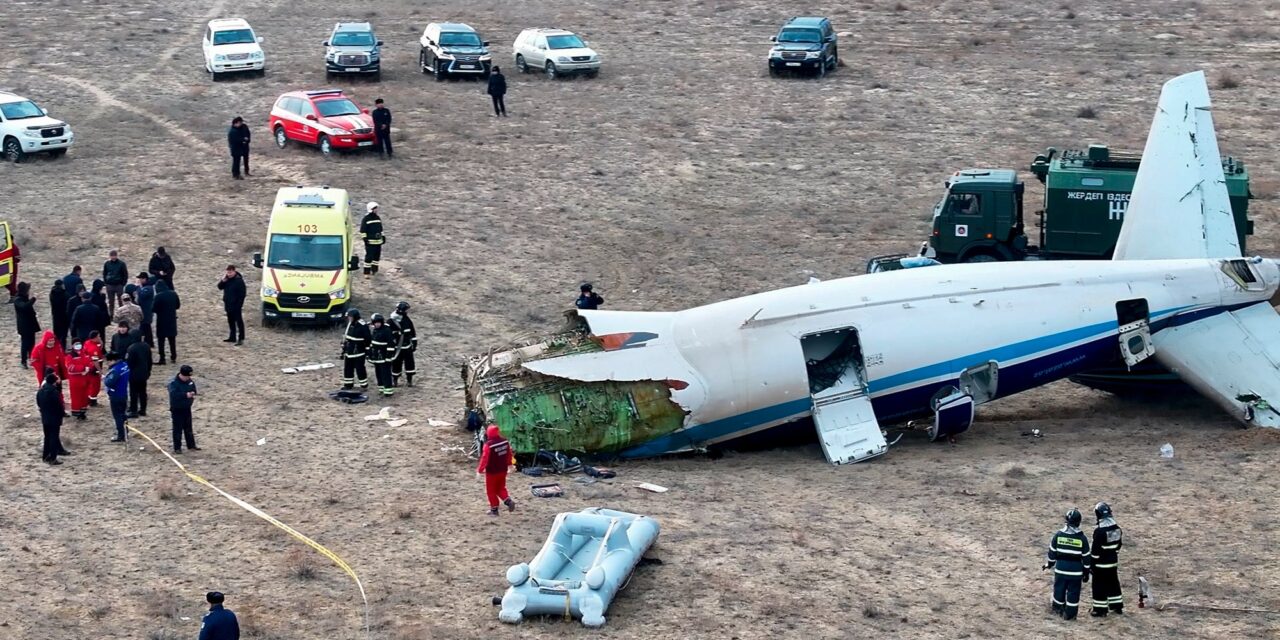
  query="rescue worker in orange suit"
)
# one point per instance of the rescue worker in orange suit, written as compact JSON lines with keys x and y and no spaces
{"x":1107,"y":540}
{"x":80,"y":369}
{"x":496,"y":457}
{"x":355,"y":345}
{"x":382,"y":352}
{"x":48,"y":354}
{"x":93,"y":348}
{"x":1068,"y":555}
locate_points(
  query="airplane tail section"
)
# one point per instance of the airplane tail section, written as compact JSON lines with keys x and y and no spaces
{"x":1179,"y":207}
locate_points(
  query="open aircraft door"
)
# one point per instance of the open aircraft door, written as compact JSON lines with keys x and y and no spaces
{"x":1135,"y":331}
{"x":842,"y":412}
{"x":8,"y":257}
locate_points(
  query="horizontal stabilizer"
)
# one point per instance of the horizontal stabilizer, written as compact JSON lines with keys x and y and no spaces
{"x":1232,"y":358}
{"x":1179,"y":207}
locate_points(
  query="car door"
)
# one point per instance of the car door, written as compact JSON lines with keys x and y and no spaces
{"x":290,"y":119}
{"x":539,"y":57}
{"x":206,"y":45}
{"x":6,"y":255}
{"x":307,"y":131}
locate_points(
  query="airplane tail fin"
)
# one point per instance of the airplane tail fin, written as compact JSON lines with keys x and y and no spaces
{"x":1179,"y":207}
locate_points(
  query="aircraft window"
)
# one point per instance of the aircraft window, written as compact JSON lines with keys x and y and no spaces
{"x":1137,"y":344}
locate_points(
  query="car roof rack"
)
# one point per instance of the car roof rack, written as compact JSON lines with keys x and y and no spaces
{"x":324,"y":92}
{"x":310,"y":200}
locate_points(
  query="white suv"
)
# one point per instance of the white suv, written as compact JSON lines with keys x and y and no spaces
{"x":555,"y":52}
{"x":231,"y":46}
{"x":25,"y":129}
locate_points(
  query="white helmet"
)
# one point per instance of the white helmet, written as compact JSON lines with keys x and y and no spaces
{"x":371,"y":206}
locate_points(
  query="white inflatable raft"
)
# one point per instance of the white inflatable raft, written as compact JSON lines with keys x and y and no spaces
{"x":584,"y":562}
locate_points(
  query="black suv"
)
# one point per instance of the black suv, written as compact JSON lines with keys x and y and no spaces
{"x":804,"y":44}
{"x":352,"y":48}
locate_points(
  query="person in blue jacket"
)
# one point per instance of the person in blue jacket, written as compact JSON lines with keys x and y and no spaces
{"x":220,"y":623}
{"x":117,"y":384}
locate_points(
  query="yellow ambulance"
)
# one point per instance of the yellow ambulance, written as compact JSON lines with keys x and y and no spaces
{"x":309,"y":258}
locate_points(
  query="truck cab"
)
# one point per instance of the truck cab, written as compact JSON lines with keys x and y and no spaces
{"x":979,"y":219}
{"x":308,"y":259}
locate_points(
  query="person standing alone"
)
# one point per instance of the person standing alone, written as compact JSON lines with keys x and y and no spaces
{"x":371,"y":234}
{"x":238,"y":142}
{"x":115,"y":274}
{"x":382,"y":127}
{"x":498,"y":90}
{"x":24,"y":311}
{"x":233,"y":294}
{"x":49,"y":399}
{"x":496,"y":457}
{"x":220,"y":623}
{"x":182,"y":394}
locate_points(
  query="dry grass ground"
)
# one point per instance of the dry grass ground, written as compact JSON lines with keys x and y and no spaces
{"x":683,"y":174}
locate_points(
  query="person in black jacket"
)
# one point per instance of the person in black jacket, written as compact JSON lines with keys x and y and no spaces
{"x":182,"y":394}
{"x":115,"y":274}
{"x":1068,"y":556}
{"x":122,"y":339}
{"x":238,"y":142}
{"x":355,"y":346}
{"x":58,"y":309}
{"x":49,"y":400}
{"x":161,"y":267}
{"x":220,"y":623}
{"x":24,"y":311}
{"x":146,"y":297}
{"x":373,"y":237}
{"x":86,"y":318}
{"x":74,"y":300}
{"x":382,"y":127}
{"x":233,"y":294}
{"x":587,"y":298}
{"x":99,"y":299}
{"x":407,"y":341}
{"x":382,"y":352}
{"x":165,"y":309}
{"x":138,"y":357}
{"x":498,"y":90}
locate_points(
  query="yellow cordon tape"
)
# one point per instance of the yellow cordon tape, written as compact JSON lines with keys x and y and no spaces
{"x":342,"y":564}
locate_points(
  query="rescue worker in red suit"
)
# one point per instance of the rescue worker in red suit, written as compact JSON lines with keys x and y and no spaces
{"x":48,"y":353}
{"x":80,"y":369}
{"x":93,"y":348}
{"x":496,"y":457}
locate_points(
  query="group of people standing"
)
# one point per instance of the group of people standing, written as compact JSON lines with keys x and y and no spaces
{"x":387,"y":344}
{"x":1073,"y":560}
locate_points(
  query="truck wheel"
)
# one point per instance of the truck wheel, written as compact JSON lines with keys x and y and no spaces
{"x":981,"y":257}
{"x":521,"y":65}
{"x":13,"y":150}
{"x":281,"y":139}
{"x":326,"y":147}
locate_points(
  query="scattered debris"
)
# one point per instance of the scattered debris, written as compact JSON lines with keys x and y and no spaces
{"x":549,"y":490}
{"x":349,"y":397}
{"x":261,"y":441}
{"x":652,"y":487}
{"x":440,"y":423}
{"x":1166,"y":450}
{"x":1144,"y":593}
{"x":397,"y":423}
{"x":599,"y":472}
{"x":1034,"y":433}
{"x":451,"y":447}
{"x":383,"y":414}
{"x":308,"y":367}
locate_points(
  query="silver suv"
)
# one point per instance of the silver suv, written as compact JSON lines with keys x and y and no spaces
{"x":555,"y":52}
{"x":353,"y":48}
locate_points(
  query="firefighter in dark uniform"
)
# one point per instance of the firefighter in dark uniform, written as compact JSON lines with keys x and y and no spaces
{"x":1069,"y":556}
{"x":407,"y":338}
{"x":382,"y":352}
{"x":587,"y":298}
{"x":1107,"y":540}
{"x":355,"y":344}
{"x":371,"y":234}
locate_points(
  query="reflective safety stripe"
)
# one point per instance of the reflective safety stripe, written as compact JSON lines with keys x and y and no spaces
{"x":1055,"y":600}
{"x":1073,"y":605}
{"x":355,"y":355}
{"x":1072,"y":552}
{"x":379,"y":343}
{"x":1110,"y":547}
{"x":1116,"y":600}
{"x":1104,"y":566}
{"x":373,"y":242}
{"x":353,"y":338}
{"x":1067,"y":573}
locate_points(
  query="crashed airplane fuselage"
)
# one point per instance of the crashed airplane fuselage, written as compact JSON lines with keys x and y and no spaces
{"x":857,"y":352}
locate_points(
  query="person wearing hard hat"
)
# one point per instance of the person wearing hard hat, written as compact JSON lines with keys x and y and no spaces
{"x":1068,"y":555}
{"x":1107,"y":540}
{"x":371,"y":234}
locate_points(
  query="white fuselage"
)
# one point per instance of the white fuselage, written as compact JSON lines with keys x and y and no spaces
{"x":1039,"y":321}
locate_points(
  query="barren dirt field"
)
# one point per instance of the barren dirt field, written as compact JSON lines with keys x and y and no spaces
{"x":684,"y":174}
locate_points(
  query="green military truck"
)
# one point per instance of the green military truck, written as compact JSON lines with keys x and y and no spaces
{"x":1086,"y":194}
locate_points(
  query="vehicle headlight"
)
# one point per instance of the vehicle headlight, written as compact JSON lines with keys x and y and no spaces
{"x":340,"y":294}
{"x":31,"y":134}
{"x":374,"y":55}
{"x":340,"y":132}
{"x":219,"y":58}
{"x":445,"y":56}
{"x":812,"y":54}
{"x":562,"y":59}
{"x":268,"y":292}
{"x":775,"y":53}
{"x":486,"y":57}
{"x":257,"y":55}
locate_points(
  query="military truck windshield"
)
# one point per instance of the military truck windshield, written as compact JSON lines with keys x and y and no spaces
{"x":800,"y":35}
{"x":459,"y":39}
{"x":564,"y":42}
{"x":307,"y":253}
{"x":233,"y":36}
{"x":20,"y":110}
{"x":352,"y":39}
{"x":343,"y":107}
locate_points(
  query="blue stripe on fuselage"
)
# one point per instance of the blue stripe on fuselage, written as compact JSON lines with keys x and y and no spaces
{"x":914,"y":401}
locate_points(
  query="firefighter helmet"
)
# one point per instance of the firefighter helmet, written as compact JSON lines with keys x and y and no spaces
{"x":402,"y":306}
{"x":1102,"y":510}
{"x":1073,"y":517}
{"x":353,"y":313}
{"x":377,"y":317}
{"x":371,"y":207}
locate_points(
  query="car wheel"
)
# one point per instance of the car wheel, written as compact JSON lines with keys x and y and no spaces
{"x":773,"y":73}
{"x":822,"y":69}
{"x":439,"y":71}
{"x":377,"y":75}
{"x":262,"y":73}
{"x":521,"y":65}
{"x":282,"y":140}
{"x":13,"y":150}
{"x":422,"y":62}
{"x":551,"y":70}
{"x":835,"y":59}
{"x":326,"y":147}
{"x":981,"y":257}
{"x":57,"y":153}
{"x":213,"y":76}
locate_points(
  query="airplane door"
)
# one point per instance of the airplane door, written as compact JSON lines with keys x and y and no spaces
{"x":7,"y":251}
{"x":1135,"y":331}
{"x":847,"y":427}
